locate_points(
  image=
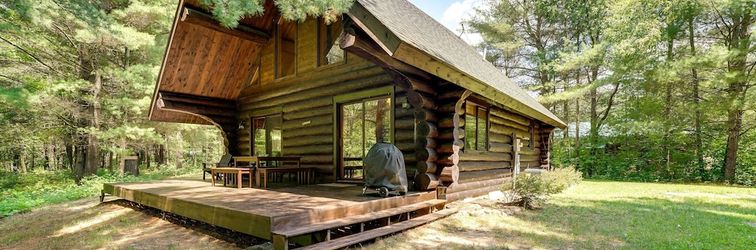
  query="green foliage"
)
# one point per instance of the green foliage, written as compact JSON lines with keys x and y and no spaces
{"x":651,"y":85}
{"x":21,"y":193}
{"x":535,"y":188}
{"x":229,"y":12}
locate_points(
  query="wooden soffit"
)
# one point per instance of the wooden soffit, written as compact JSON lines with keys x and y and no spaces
{"x":205,"y":59}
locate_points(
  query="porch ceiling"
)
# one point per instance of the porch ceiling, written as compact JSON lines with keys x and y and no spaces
{"x":206,"y":59}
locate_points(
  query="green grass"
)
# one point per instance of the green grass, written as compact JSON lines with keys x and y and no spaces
{"x":23,"y":192}
{"x":606,"y":215}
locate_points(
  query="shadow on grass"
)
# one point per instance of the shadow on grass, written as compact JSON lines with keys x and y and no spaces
{"x":642,"y":223}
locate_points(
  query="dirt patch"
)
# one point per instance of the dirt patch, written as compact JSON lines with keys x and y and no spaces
{"x":88,"y":224}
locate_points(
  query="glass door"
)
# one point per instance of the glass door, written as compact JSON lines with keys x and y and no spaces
{"x":362,"y":124}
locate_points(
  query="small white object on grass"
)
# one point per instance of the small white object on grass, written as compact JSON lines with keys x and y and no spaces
{"x":495,"y":195}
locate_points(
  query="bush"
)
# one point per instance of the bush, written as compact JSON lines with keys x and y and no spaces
{"x":23,"y":192}
{"x":534,"y":189}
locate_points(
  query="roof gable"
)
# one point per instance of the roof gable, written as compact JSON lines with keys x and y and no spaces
{"x":419,"y":34}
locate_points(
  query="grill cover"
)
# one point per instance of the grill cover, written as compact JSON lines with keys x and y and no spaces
{"x":384,"y":167}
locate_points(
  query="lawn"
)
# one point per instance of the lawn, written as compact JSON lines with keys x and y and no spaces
{"x":592,"y":215}
{"x":601,"y":215}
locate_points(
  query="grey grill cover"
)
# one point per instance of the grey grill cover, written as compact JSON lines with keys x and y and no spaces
{"x":384,"y":167}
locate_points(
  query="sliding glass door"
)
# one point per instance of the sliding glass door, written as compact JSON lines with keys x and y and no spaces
{"x":362,"y":124}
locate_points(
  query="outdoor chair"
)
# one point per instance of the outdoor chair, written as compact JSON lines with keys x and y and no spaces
{"x":225,"y":161}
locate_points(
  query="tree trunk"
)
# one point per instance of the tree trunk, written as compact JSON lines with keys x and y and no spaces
{"x":734,"y":124}
{"x":739,"y":43}
{"x":69,"y":158}
{"x":577,"y":125}
{"x":667,"y":112}
{"x":22,"y":160}
{"x":697,"y":101}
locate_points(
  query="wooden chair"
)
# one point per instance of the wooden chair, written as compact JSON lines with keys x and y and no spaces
{"x":225,"y":161}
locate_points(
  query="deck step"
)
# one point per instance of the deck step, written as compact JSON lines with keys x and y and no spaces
{"x":320,"y":226}
{"x":379,"y":232}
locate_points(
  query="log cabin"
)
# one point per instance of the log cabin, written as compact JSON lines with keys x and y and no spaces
{"x":383,"y":71}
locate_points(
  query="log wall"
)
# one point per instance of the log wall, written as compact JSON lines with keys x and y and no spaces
{"x":305,"y":101}
{"x":486,"y":170}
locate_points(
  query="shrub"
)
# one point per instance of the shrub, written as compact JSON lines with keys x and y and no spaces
{"x":534,"y":189}
{"x":23,"y":192}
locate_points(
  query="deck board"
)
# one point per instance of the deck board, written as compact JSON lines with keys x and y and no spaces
{"x":257,"y":211}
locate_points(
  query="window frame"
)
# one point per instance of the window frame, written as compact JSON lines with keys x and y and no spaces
{"x":478,"y":107}
{"x":253,"y":132}
{"x":277,"y":49}
{"x":319,"y":54}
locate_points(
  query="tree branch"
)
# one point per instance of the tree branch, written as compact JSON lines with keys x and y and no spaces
{"x":605,"y":113}
{"x":28,"y":53}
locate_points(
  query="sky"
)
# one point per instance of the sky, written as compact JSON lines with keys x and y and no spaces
{"x":451,"y":13}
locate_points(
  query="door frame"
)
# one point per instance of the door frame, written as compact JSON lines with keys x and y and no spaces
{"x":338,"y":101}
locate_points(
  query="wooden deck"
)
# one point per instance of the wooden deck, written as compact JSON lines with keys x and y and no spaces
{"x":258,"y":212}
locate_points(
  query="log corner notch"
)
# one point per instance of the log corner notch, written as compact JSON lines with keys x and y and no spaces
{"x":546,"y":134}
{"x":219,"y":112}
{"x":421,"y":95}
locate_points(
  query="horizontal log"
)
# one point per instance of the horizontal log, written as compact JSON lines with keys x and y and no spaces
{"x":426,"y":167}
{"x":484,"y":156}
{"x":426,"y":129}
{"x":404,"y":135}
{"x":504,"y":122}
{"x":451,"y":123}
{"x":314,"y":79}
{"x":527,"y":158}
{"x":422,"y":86}
{"x":405,"y":124}
{"x":293,"y":133}
{"x":451,"y":134}
{"x":510,"y":116}
{"x":459,"y":187}
{"x":309,"y":149}
{"x":500,"y":138}
{"x":496,"y":128}
{"x":447,"y":159}
{"x":500,"y":147}
{"x":406,"y":146}
{"x":451,"y":95}
{"x":465,"y":166}
{"x":530,"y":164}
{"x":449,"y":175}
{"x":311,"y":112}
{"x":421,"y":100}
{"x":426,"y":154}
{"x":324,"y":92}
{"x":528,"y":151}
{"x":307,"y":104}
{"x":308,"y":140}
{"x":426,"y":181}
{"x":450,"y":147}
{"x":410,"y":157}
{"x":473,"y":176}
{"x":308,"y":122}
{"x":471,"y":193}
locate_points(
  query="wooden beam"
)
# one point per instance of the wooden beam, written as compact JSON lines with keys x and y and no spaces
{"x":370,"y":51}
{"x":195,"y":99}
{"x":197,"y":17}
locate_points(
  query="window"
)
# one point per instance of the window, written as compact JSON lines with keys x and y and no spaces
{"x":286,"y":49}
{"x":266,"y":133}
{"x":329,"y":51}
{"x":361,"y":124}
{"x":476,"y":127}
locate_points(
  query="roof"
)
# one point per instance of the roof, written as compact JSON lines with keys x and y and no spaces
{"x":414,"y":28}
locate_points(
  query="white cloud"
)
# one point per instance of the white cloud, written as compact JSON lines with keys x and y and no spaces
{"x":458,"y":12}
